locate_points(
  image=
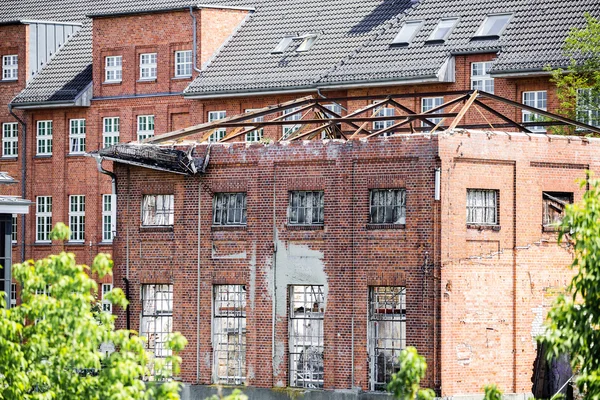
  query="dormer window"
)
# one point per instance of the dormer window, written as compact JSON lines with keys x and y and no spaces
{"x":307,"y":42}
{"x":442,"y":30}
{"x":407,"y":33}
{"x":493,"y":26}
{"x":283,"y":44}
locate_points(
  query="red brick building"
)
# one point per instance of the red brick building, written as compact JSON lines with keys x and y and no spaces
{"x":130,"y":71}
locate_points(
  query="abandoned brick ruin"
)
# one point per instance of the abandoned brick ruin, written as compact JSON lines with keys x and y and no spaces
{"x":302,"y":188}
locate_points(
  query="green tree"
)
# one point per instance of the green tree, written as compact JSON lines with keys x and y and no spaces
{"x":405,"y":384}
{"x":573,"y":325}
{"x":582,"y":46}
{"x":49,"y":344}
{"x":491,"y":392}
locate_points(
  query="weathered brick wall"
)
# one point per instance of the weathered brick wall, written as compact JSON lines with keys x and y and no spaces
{"x":494,"y":298}
{"x":350,"y":256}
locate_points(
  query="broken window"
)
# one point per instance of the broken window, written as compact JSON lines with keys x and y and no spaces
{"x":482,"y":207}
{"x":229,"y":209}
{"x":157,"y":320}
{"x":306,"y":208}
{"x":158,"y":210}
{"x":229,"y":334}
{"x":307,"y":307}
{"x":387,"y":333}
{"x":553,"y":204}
{"x":388,"y":206}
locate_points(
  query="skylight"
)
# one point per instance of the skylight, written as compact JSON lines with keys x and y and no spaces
{"x":493,"y":25}
{"x":443,"y":30}
{"x":407,"y":33}
{"x":307,"y":42}
{"x":283,"y":44}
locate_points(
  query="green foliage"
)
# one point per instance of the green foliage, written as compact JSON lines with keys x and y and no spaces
{"x":491,"y":392}
{"x":405,"y":384}
{"x":49,"y":344}
{"x":582,"y":46}
{"x":573,"y":325}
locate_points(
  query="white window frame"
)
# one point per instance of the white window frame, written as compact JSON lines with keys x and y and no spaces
{"x":14,"y":228}
{"x":77,"y":218}
{"x":407,"y":33}
{"x":585,"y":114}
{"x":158,"y":209}
{"x":230,"y":209}
{"x":145,"y":127}
{"x":10,"y":67}
{"x":13,"y":294}
{"x":44,"y":138}
{"x":428,"y":103}
{"x":219,"y":133}
{"x":484,"y":29}
{"x":288,"y":130}
{"x":108,"y":217}
{"x":106,"y":305}
{"x":10,"y":140}
{"x":157,"y":320}
{"x":483,"y":80}
{"x":183,"y":63}
{"x":229,"y":334}
{"x":256,"y":135}
{"x":43,"y":219}
{"x":336,"y":108}
{"x":110,"y":131}
{"x":537,"y":99}
{"x":488,"y":209}
{"x":148,"y":66}
{"x":449,"y":24}
{"x":383,"y":111}
{"x":113,"y":69}
{"x":77,"y":136}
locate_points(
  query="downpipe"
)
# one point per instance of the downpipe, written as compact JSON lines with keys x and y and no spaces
{"x":195,"y":41}
{"x":23,"y":174}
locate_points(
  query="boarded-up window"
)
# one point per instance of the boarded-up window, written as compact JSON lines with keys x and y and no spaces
{"x":553,"y":204}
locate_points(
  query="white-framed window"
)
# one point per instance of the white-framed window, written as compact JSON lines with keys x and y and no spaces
{"x":43,"y":218}
{"x":482,"y":207}
{"x":229,"y":209}
{"x":386,"y":333}
{"x":493,"y":25}
{"x":219,"y":133}
{"x":13,"y":294}
{"x":14,"y":229}
{"x":307,"y":311}
{"x":256,"y":135}
{"x":427,"y":103}
{"x":588,"y":107}
{"x":443,"y":29}
{"x":44,"y":138}
{"x":306,"y":208}
{"x":387,"y":206}
{"x":337,"y":109}
{"x":480,"y":76}
{"x":157,"y":320}
{"x":145,"y":127}
{"x":287,"y":130}
{"x":10,"y":139}
{"x":77,"y":218}
{"x":10,"y":67}
{"x":183,"y":63}
{"x":537,"y":99}
{"x":407,"y":33}
{"x":148,"y":66}
{"x":110,"y":131}
{"x":113,"y":69}
{"x":384,"y":111}
{"x":77,"y":136}
{"x":158,"y":209}
{"x":106,"y":305}
{"x":108,"y":217}
{"x":229,"y":334}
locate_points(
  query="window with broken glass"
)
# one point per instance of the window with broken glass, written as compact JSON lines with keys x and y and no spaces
{"x":387,"y":333}
{"x":388,"y":206}
{"x":158,"y":210}
{"x":306,"y":208}
{"x":553,"y":208}
{"x":157,"y":320}
{"x":229,"y":209}
{"x":229,"y":334}
{"x":307,"y":307}
{"x":482,"y":207}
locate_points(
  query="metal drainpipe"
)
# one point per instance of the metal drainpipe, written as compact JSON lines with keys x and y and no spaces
{"x":198,"y":294}
{"x":274,"y":311}
{"x":195,"y":41}
{"x":23,"y":174}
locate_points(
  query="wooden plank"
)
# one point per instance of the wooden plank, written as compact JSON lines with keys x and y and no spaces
{"x":463,"y":110}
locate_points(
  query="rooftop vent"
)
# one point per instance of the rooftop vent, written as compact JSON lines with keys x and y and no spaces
{"x":306,"y":42}
{"x":442,"y":31}
{"x":493,"y":26}
{"x":407,"y":33}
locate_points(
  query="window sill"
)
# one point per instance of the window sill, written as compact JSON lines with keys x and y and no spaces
{"x":153,"y":80}
{"x":292,"y":227}
{"x":9,"y":80}
{"x":550,"y":229}
{"x":76,"y":154}
{"x":374,"y":227}
{"x":112,"y":82}
{"x":156,"y":228}
{"x":9,"y":158}
{"x":216,"y":228}
{"x":44,"y":243}
{"x":180,"y":78}
{"x":75,"y":243}
{"x":104,"y":243}
{"x":42,"y":156}
{"x":484,"y":227}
